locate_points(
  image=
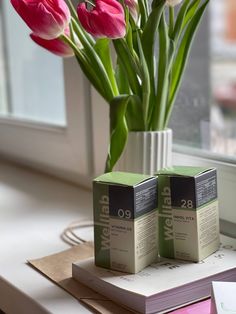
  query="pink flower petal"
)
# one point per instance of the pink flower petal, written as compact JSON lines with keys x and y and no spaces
{"x":107,"y":19}
{"x":46,"y":18}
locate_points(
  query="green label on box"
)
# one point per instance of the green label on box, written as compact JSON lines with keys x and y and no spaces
{"x":101,"y":226}
{"x":166,"y":232}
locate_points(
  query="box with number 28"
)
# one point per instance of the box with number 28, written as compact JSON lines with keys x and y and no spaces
{"x":188,"y":213}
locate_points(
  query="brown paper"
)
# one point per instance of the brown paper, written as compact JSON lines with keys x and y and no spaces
{"x":58,"y":268}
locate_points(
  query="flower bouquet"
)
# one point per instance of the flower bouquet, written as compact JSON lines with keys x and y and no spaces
{"x":152,"y":42}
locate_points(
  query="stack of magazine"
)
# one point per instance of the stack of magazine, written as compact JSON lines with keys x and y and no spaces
{"x":162,"y":286}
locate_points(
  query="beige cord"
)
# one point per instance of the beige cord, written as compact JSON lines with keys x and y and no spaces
{"x":70,"y":237}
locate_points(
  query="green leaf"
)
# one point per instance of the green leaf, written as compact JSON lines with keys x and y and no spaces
{"x":171,"y":20}
{"x":148,"y":40}
{"x":156,"y":3}
{"x":94,"y":60}
{"x":103,"y":50}
{"x":129,"y":37}
{"x":92,"y":76}
{"x":127,"y":61}
{"x":86,"y":66}
{"x":134,"y":114}
{"x":121,"y":78}
{"x":145,"y":83}
{"x":118,"y":128}
{"x":163,"y":73}
{"x":172,"y":48}
{"x":191,"y":11}
{"x":180,"y":20}
{"x":149,"y":35}
{"x":181,"y":58}
{"x":143,"y":11}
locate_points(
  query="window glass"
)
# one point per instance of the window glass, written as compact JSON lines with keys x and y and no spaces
{"x":3,"y":99}
{"x":191,"y":115}
{"x":33,"y":77}
{"x":205,"y":111}
{"x":223,"y":76}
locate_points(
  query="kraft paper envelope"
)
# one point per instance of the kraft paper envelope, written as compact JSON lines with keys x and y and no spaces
{"x":58,"y":268}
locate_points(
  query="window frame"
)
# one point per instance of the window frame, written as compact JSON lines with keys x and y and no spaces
{"x":2,"y":62}
{"x":61,"y":151}
{"x":65,"y":151}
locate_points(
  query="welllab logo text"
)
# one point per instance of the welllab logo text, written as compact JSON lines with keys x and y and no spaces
{"x":104,"y":222}
{"x":166,"y":213}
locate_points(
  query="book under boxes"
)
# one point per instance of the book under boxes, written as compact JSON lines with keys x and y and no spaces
{"x":165,"y":284}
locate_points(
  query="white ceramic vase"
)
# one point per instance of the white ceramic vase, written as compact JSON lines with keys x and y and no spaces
{"x":146,"y":152}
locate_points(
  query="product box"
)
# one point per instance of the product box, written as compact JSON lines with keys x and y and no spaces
{"x":125,"y":221}
{"x":188,"y":213}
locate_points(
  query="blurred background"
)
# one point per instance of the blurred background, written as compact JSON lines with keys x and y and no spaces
{"x":223,"y":76}
{"x":205,"y":111}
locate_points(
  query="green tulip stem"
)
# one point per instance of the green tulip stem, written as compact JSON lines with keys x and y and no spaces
{"x":68,"y":41}
{"x":72,"y":9}
{"x":90,"y":3}
{"x":171,"y":20}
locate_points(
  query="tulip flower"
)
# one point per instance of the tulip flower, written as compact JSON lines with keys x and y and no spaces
{"x":57,"y":46}
{"x":106,"y":19}
{"x":46,"y":18}
{"x":173,"y":3}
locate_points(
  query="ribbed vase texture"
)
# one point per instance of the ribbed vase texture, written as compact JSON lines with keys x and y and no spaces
{"x":147,"y":152}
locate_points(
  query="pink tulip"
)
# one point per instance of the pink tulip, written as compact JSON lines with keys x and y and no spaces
{"x":56,"y":46}
{"x":106,"y":19}
{"x":46,"y":18}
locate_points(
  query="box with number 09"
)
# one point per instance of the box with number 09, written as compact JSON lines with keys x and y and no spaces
{"x":125,"y":221}
{"x":188,"y":212}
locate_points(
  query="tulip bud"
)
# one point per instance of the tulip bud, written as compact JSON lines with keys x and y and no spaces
{"x":106,"y":19}
{"x":133,"y":8}
{"x":173,"y":3}
{"x":57,"y":46}
{"x":46,"y":18}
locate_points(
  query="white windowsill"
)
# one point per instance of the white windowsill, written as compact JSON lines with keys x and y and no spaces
{"x":34,"y":210}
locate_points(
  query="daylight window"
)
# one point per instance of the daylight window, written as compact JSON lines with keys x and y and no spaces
{"x":31,"y":79}
{"x":205,"y":111}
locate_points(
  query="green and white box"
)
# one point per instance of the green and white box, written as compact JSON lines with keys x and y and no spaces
{"x":188,"y":213}
{"x":125,"y":221}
